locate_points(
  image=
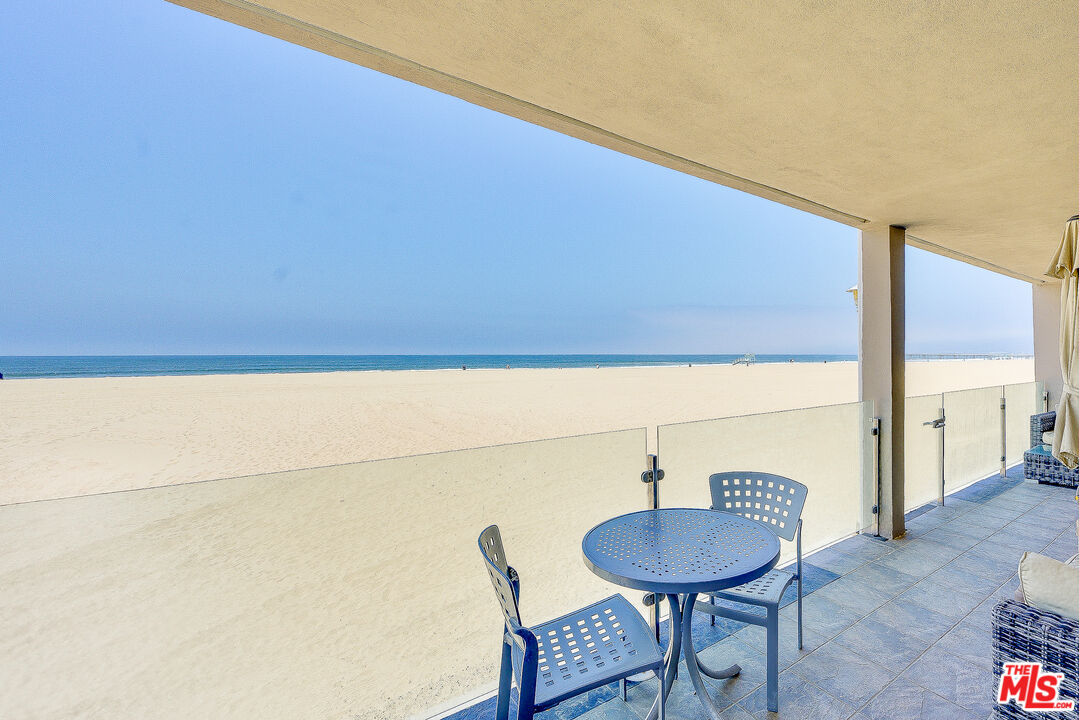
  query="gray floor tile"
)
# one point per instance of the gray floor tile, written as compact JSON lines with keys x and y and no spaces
{"x":820,"y":612}
{"x":1001,"y":510}
{"x":942,"y":544}
{"x":924,"y":523}
{"x":971,"y":641}
{"x":925,"y":624}
{"x":1056,"y":510}
{"x":682,"y":703}
{"x":1011,"y":537}
{"x":1043,"y":528}
{"x":1016,"y":502}
{"x":907,"y":539}
{"x":863,"y":546}
{"x":843,"y":673}
{"x":1007,"y":590}
{"x":735,"y":712}
{"x":916,"y":560}
{"x":970,"y":528}
{"x":1068,"y":534}
{"x":997,"y":567}
{"x":797,"y":699}
{"x":956,"y":541}
{"x":838,"y":562}
{"x":884,"y":644}
{"x":959,"y":578}
{"x":1063,"y":505}
{"x":610,"y":710}
{"x":1006,"y":556}
{"x":856,"y":596}
{"x":1048,"y":519}
{"x":730,"y":651}
{"x":982,"y":616}
{"x":574,"y":707}
{"x":903,"y":700}
{"x":1061,"y":548}
{"x":952,"y":508}
{"x":1034,"y":530}
{"x":754,"y":636}
{"x":941,"y":598}
{"x":988,"y":518}
{"x":955,"y":679}
{"x":885,"y":579}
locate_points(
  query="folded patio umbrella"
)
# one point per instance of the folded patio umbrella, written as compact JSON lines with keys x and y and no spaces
{"x":1065,"y":266}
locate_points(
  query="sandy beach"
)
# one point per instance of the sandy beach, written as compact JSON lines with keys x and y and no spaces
{"x":65,"y":437}
{"x":292,"y":595}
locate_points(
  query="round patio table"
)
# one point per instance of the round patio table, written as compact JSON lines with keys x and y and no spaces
{"x":679,"y":553}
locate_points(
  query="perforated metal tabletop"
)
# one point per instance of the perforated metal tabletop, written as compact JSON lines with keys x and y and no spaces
{"x":678,"y":553}
{"x":680,"y":550}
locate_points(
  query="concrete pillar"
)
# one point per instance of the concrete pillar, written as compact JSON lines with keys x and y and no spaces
{"x":882,"y":358}
{"x":1046,"y":302}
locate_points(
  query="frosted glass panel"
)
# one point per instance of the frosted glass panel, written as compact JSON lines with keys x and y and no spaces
{"x":921,"y":450}
{"x":821,"y":447}
{"x":351,"y":591}
{"x":1023,"y":400}
{"x":972,"y":437}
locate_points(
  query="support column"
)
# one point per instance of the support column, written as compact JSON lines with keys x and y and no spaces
{"x":1046,"y":302}
{"x":882,"y":358}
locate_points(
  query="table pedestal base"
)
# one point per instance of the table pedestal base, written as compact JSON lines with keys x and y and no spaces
{"x":680,"y":644}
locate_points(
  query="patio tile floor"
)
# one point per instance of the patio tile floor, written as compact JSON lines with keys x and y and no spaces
{"x":893,"y":630}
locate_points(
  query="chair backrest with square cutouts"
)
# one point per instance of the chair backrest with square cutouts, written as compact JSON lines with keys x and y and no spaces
{"x":772,"y":500}
{"x":498,"y":568}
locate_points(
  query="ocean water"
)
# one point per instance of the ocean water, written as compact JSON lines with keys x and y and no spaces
{"x":25,"y":366}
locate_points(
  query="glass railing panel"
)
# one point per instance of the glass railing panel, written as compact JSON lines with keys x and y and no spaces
{"x":1022,"y":401}
{"x":921,"y":450}
{"x":350,"y":591}
{"x":972,"y":436}
{"x":822,"y":447}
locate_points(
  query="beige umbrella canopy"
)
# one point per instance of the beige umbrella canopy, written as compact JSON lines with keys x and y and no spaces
{"x":1065,"y":266}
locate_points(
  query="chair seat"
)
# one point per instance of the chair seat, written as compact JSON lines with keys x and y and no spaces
{"x":590,"y":647}
{"x":766,"y":590}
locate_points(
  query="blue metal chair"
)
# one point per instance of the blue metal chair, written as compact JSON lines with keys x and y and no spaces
{"x":776,"y":502}
{"x":570,"y":655}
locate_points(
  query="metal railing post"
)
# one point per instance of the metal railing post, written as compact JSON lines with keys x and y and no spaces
{"x":938,"y":424}
{"x":943,"y":420}
{"x":652,"y":476}
{"x":874,"y":429}
{"x":1003,"y":435}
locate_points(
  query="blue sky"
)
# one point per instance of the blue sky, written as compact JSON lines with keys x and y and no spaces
{"x":170,"y":183}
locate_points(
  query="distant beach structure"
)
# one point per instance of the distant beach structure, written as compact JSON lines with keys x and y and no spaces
{"x":747,"y":359}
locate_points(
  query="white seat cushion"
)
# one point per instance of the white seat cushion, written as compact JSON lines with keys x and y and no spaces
{"x":1049,"y":584}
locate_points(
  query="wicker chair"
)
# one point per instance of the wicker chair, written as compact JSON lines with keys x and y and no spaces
{"x":1025,"y":634}
{"x":1039,"y":463}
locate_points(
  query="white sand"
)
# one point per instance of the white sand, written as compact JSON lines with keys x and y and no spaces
{"x":353,"y":591}
{"x":66,"y":437}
